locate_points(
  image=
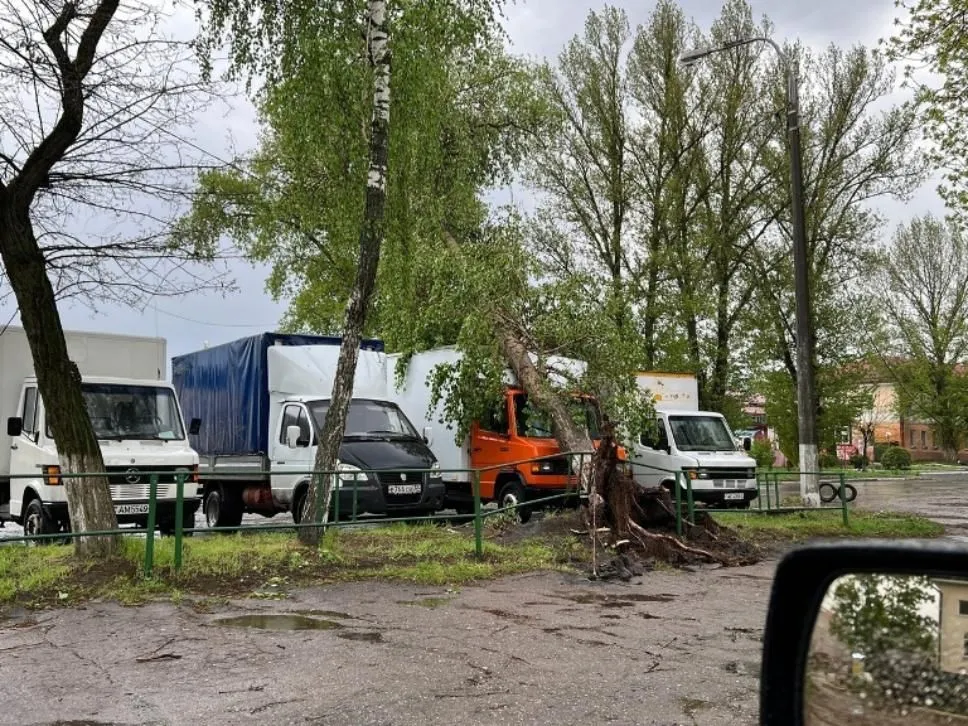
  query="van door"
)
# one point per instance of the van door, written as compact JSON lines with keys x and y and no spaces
{"x":291,"y":464}
{"x":652,"y":460}
{"x":490,"y":446}
{"x":26,"y":455}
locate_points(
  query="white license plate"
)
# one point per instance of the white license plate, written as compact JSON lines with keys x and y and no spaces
{"x":404,"y":488}
{"x":130,"y":508}
{"x":733,"y":495}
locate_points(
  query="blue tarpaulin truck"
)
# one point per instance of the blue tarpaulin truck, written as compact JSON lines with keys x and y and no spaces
{"x":262,"y":401}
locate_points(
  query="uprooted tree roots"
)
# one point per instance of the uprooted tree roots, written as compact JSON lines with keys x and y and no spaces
{"x":639,"y":525}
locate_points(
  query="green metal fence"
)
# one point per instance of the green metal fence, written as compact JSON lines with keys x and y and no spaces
{"x":768,"y":486}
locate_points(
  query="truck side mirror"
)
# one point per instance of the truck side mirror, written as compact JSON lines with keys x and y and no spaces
{"x":747,"y":443}
{"x":15,"y":426}
{"x":428,"y":435}
{"x":292,"y":436}
{"x":195,"y":426}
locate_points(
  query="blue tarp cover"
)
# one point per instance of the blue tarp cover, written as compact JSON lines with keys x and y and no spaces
{"x":227,"y":387}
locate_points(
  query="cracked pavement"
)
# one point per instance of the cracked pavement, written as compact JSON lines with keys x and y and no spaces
{"x":548,"y":648}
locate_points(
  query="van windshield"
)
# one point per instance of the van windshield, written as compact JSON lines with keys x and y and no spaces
{"x":701,"y":433}
{"x":536,"y":424}
{"x":368,"y":418}
{"x":120,"y":412}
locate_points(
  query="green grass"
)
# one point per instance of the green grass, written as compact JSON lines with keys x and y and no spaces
{"x":266,"y":565}
{"x":828,"y":523}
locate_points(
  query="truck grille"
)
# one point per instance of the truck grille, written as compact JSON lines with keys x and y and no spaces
{"x":392,"y":479}
{"x":728,"y":473}
{"x":132,"y":482}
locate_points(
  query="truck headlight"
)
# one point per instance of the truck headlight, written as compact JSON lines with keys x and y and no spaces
{"x":751,"y":474}
{"x":349,"y":473}
{"x":697,"y":473}
{"x":435,"y":468}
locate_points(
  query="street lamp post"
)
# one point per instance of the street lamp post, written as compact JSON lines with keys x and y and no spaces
{"x":806,"y":397}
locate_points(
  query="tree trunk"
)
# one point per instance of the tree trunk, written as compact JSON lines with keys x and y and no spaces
{"x":371,"y":239}
{"x":58,"y":380}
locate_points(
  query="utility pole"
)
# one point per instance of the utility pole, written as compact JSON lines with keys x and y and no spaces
{"x":806,"y":393}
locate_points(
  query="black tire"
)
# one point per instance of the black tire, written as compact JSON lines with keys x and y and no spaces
{"x":512,"y":494}
{"x":36,"y":522}
{"x":222,"y":509}
{"x":828,"y":492}
{"x":851,"y":493}
{"x":167,"y":526}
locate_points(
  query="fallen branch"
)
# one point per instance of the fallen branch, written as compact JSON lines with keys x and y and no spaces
{"x":643,"y":534}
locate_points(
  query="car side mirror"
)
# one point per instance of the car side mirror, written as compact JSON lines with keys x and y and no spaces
{"x":292,"y":436}
{"x":428,"y":435}
{"x":15,"y":426}
{"x":195,"y":426}
{"x":866,"y":627}
{"x":747,"y":443}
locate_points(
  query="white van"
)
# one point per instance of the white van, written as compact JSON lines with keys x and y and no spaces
{"x":696,"y":442}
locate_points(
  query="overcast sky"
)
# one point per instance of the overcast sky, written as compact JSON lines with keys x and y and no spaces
{"x":537,"y":28}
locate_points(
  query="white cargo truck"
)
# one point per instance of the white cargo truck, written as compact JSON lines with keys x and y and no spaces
{"x":136,"y":418}
{"x":699,"y":443}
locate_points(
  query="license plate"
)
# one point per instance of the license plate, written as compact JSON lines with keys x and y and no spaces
{"x":130,"y":508}
{"x":404,"y":488}
{"x":733,"y":495}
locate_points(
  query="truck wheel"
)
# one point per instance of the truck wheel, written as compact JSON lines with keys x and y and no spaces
{"x":512,"y":494}
{"x":37,"y":522}
{"x":222,"y":510}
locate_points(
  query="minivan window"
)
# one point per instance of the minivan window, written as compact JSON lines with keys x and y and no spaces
{"x":121,"y":411}
{"x":368,"y":418}
{"x":701,"y":433}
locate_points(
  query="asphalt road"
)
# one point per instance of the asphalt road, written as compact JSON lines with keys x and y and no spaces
{"x":672,"y":648}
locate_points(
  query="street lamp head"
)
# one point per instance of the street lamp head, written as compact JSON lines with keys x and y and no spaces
{"x":691,"y":57}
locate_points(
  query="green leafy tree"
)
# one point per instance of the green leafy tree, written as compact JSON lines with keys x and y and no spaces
{"x":924,"y":282}
{"x":930,"y":40}
{"x":873,"y":614}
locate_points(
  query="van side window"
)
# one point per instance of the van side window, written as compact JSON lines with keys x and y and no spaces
{"x":656,"y":439}
{"x":30,"y":411}
{"x":290,"y":417}
{"x":496,"y":420}
{"x":305,"y":430}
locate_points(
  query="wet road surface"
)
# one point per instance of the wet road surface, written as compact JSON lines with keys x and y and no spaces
{"x":670,"y":648}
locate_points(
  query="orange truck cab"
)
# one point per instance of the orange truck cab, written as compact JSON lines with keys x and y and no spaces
{"x":513,"y":448}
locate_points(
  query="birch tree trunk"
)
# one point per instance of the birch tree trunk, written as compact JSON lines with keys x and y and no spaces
{"x":371,"y":239}
{"x":58,"y":379}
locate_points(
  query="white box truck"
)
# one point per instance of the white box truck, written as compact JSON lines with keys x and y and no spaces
{"x":264,"y":400}
{"x":136,"y":418}
{"x":699,"y":443}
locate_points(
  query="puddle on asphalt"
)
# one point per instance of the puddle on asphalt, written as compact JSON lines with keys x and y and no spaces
{"x":278,"y":622}
{"x":366,"y":637}
{"x":334,"y":614}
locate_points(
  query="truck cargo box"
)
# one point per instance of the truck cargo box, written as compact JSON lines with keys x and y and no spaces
{"x":227,"y":387}
{"x":96,"y":354}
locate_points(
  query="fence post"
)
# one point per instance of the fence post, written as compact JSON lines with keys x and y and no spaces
{"x":679,"y":503}
{"x":356,"y":487}
{"x":689,"y":502}
{"x":769,"y":504}
{"x":776,"y":489}
{"x":152,"y":513}
{"x":179,"y":518}
{"x":337,"y":482}
{"x":843,"y":497}
{"x":759,"y":489}
{"x":478,"y":524}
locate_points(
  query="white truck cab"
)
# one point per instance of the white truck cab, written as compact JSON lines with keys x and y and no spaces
{"x":698,"y":443}
{"x":137,"y":421}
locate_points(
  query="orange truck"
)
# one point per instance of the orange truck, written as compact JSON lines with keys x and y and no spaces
{"x":514,"y":447}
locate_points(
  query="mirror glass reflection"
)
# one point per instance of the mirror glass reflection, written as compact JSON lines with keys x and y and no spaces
{"x":889,"y":649}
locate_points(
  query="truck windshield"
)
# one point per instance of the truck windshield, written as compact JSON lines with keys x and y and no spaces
{"x":120,"y":411}
{"x":368,"y":418}
{"x":536,"y":424}
{"x":701,"y":433}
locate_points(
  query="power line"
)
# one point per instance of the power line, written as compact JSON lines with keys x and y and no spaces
{"x":216,"y":325}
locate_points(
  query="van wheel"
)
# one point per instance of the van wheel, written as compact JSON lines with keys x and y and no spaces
{"x":222,"y":509}
{"x":512,"y":494}
{"x":37,"y":522}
